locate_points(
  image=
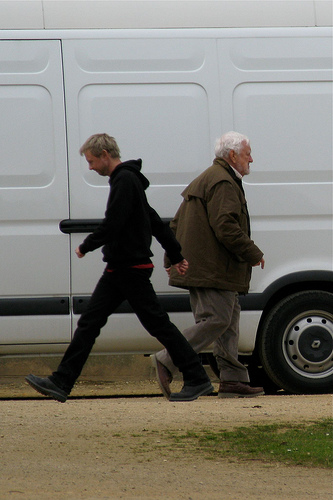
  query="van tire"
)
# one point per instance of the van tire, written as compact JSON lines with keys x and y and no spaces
{"x":296,"y":343}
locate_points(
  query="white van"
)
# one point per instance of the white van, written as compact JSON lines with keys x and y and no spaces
{"x":166,"y":79}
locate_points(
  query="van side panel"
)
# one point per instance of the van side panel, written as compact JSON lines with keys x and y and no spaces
{"x":276,"y":88}
{"x":33,"y":190}
{"x":158,"y":97}
{"x":149,"y":14}
{"x":165,"y":95}
{"x":278,"y":91}
{"x":269,"y":84}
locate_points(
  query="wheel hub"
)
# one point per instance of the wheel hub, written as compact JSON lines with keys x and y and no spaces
{"x":308,"y":344}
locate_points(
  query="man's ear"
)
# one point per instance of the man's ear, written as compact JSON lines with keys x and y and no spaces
{"x":232,"y":156}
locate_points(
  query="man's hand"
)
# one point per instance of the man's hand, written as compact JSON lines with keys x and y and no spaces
{"x":181,"y":267}
{"x":261,"y":263}
{"x":78,"y":253}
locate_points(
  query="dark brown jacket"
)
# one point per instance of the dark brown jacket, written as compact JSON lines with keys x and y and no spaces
{"x":212,"y":226}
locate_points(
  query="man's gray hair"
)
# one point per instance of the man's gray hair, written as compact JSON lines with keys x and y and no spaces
{"x":230,"y":141}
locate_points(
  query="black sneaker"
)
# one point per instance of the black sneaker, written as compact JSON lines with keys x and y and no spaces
{"x":191,"y":392}
{"x":46,"y":387}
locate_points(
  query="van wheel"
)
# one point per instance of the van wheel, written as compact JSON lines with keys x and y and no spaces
{"x":296,"y":343}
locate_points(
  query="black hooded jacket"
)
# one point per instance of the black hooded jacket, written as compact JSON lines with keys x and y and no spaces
{"x":130,"y":222}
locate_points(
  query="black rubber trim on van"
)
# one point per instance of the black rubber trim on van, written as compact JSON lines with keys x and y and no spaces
{"x":45,"y":306}
{"x":60,"y":306}
{"x":170,"y":303}
{"x":71,"y":226}
{"x":177,"y":302}
{"x":42,"y":306}
{"x":321,"y":280}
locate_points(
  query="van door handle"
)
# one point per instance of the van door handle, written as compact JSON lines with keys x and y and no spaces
{"x":70,"y":226}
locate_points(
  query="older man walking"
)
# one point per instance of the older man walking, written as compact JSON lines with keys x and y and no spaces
{"x":213,"y":228}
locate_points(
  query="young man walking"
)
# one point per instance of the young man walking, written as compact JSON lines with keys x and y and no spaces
{"x":125,"y":235}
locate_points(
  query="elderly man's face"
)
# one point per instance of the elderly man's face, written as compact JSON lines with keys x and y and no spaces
{"x":242,"y":160}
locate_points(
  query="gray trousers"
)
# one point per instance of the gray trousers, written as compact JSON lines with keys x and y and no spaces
{"x":216,"y":313}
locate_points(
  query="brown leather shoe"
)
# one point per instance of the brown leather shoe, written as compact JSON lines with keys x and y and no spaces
{"x":239,"y":390}
{"x":164,"y":377}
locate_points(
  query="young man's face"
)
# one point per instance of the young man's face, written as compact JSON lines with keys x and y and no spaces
{"x":99,"y":164}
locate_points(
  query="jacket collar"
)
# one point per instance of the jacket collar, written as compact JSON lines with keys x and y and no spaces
{"x":230,"y":170}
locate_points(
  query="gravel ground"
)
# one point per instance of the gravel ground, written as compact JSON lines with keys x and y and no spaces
{"x":109,"y":442}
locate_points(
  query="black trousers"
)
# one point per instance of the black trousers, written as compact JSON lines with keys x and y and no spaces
{"x":111,"y":290}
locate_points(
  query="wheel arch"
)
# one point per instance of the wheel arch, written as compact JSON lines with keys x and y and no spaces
{"x":278,"y":290}
{"x":290,"y":284}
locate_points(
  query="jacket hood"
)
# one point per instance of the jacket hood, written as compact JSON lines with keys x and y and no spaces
{"x":134,"y":166}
